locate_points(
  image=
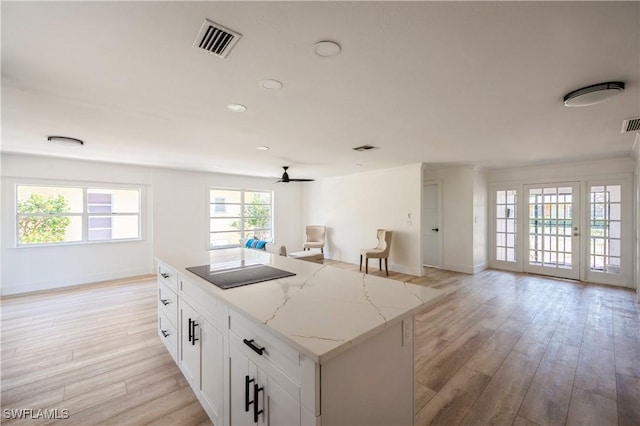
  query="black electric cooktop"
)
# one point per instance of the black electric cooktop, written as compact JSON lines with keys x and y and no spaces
{"x":236,"y":277}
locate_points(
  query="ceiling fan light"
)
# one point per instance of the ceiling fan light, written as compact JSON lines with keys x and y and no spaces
{"x":593,"y":94}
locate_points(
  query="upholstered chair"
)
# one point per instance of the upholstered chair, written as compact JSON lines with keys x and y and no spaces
{"x":315,"y":237}
{"x":381,"y":251}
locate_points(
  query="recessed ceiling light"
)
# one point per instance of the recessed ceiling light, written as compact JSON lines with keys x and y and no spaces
{"x":236,"y":108}
{"x":359,"y":165}
{"x":270,"y":84}
{"x":593,"y":94}
{"x":65,"y":140}
{"x":262,"y":148}
{"x":326,"y":49}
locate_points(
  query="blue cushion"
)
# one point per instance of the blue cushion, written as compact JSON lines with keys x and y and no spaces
{"x":254,"y":243}
{"x":261,"y":245}
{"x":248,"y":243}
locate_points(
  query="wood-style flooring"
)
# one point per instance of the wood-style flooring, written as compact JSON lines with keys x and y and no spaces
{"x":501,"y":348}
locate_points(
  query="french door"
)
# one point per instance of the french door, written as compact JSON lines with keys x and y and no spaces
{"x":552,"y":229}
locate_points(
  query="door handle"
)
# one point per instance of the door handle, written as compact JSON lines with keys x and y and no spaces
{"x":256,"y":390}
{"x":165,"y":302}
{"x":194,"y":339}
{"x":190,"y":332}
{"x":247,"y":403}
{"x":435,"y":229}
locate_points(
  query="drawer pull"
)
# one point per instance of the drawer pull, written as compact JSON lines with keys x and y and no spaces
{"x":256,"y":389}
{"x":164,"y":275}
{"x":190,"y":330}
{"x":165,"y":302}
{"x":253,"y":346}
{"x":165,"y":333}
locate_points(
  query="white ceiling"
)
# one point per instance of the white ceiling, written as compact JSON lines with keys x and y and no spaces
{"x":435,"y":82}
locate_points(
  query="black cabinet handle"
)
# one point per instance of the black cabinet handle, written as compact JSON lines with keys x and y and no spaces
{"x":193,"y":333}
{"x":435,"y":229}
{"x":190,"y":332}
{"x":247,"y":403}
{"x":165,"y":333}
{"x":256,"y":389}
{"x":165,"y":275}
{"x":165,"y":302}
{"x":253,"y":346}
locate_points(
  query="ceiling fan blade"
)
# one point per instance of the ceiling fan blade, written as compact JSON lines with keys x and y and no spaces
{"x":301,"y":180}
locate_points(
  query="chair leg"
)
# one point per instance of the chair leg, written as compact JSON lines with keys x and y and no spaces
{"x":322,"y":250}
{"x":360,"y":263}
{"x":366,"y":265}
{"x":380,"y":264}
{"x":386,"y":265}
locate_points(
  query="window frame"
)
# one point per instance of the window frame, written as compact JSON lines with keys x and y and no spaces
{"x":84,"y":215}
{"x":242,"y":217}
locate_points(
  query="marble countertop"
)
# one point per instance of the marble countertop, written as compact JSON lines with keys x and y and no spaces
{"x":322,"y":310}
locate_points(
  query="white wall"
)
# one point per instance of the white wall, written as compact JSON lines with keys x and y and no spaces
{"x":353,"y":207}
{"x":27,"y":269}
{"x":458,"y":230}
{"x":181,"y":212}
{"x":175,"y":208}
{"x":480,"y":220}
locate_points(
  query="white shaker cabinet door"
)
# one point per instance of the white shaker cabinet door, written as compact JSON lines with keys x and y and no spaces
{"x":244,"y":376}
{"x":211,"y":374}
{"x":190,"y":344}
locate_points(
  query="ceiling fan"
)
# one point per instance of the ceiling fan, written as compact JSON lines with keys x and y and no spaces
{"x":286,"y":179}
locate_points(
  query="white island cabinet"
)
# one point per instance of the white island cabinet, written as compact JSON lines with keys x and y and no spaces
{"x":323,"y":347}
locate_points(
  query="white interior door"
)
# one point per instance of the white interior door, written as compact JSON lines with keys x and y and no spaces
{"x":552,"y":230}
{"x":431,"y":225}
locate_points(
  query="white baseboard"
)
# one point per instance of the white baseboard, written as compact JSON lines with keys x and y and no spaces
{"x":458,"y":268}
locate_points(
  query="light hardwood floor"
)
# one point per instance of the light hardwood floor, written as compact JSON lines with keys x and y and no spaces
{"x":501,"y":348}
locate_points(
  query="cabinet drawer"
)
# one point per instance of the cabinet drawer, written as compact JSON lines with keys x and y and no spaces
{"x":168,"y":303}
{"x":168,"y":276}
{"x":281,"y":355}
{"x":203,"y":298}
{"x":168,"y":334}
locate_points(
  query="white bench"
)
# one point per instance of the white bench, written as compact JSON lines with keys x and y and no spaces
{"x":270,"y":247}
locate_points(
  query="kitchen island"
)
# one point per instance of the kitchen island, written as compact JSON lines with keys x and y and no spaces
{"x":325,"y":346}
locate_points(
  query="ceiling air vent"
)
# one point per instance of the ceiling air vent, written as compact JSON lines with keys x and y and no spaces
{"x":631,"y":125}
{"x":216,"y":39}
{"x":364,"y":148}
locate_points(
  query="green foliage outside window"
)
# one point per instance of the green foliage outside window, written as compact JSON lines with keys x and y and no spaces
{"x":257,"y":217}
{"x":42,"y":229}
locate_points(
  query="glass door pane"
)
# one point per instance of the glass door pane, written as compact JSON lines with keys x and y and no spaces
{"x":553,"y":230}
{"x":605,"y":225}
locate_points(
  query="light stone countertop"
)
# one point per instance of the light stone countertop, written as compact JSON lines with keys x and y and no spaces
{"x":322,"y":311}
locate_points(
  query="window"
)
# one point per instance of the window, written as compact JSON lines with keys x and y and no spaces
{"x":235,"y":214}
{"x":605,"y":229}
{"x":506,"y":201}
{"x":52,"y":214}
